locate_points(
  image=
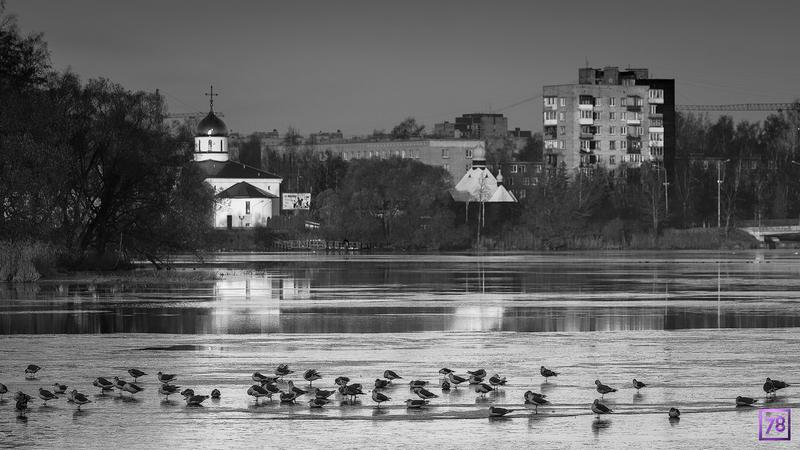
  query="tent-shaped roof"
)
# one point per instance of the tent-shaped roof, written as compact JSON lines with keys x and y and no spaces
{"x":245,"y":190}
{"x":501,"y":195}
{"x":231,"y":169}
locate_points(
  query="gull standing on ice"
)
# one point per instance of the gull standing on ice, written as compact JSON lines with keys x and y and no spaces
{"x":602,"y":389}
{"x":599,"y":408}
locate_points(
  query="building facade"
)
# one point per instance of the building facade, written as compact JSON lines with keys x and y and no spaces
{"x":612,"y":118}
{"x":454,"y":155}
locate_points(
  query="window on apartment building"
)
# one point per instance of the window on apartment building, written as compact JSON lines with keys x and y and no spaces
{"x":561,"y":144}
{"x":513,"y":168}
{"x":586,"y":115}
{"x":610,"y":130}
{"x":612,"y":160}
{"x":446,"y":166}
{"x":656,"y":136}
{"x":623,"y":145}
{"x":639,"y":131}
{"x":598,"y":145}
{"x":598,"y":101}
{"x":612,"y":101}
{"x":656,"y":123}
{"x":612,"y":145}
{"x":623,"y":115}
{"x":653,"y":109}
{"x":445,"y":153}
{"x":612,"y":116}
{"x":561,"y":116}
{"x":628,"y":81}
{"x":637,"y":116}
{"x":468,"y":153}
{"x":562,"y":101}
{"x":623,"y":130}
{"x":522,"y":168}
{"x":623,"y":101}
{"x":550,"y":101}
{"x":549,"y":115}
{"x":562,"y":130}
{"x":655,"y":93}
{"x":247,"y":207}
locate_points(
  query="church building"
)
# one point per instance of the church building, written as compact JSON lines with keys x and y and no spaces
{"x":245,"y":196}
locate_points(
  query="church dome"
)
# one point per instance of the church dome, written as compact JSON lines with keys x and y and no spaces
{"x":212,"y":125}
{"x":479,"y":153}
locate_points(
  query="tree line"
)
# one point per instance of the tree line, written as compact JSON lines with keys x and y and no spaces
{"x":90,"y":167}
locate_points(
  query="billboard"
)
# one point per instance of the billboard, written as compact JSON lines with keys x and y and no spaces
{"x":299,"y":200}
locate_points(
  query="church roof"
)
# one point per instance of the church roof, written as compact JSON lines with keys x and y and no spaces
{"x":245,"y":190}
{"x":231,"y":169}
{"x":501,"y":195}
{"x":211,"y":125}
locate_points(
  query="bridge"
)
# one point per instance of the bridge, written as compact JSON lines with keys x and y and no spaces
{"x":773,"y":230}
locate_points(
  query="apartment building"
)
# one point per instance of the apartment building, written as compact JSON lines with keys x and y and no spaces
{"x":611,"y":118}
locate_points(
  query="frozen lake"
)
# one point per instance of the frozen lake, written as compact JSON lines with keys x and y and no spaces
{"x":699,"y":328}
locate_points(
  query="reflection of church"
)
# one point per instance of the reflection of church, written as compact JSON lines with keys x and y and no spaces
{"x":245,"y":196}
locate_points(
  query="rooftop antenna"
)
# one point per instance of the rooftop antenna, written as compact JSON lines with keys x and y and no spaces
{"x":211,"y":96}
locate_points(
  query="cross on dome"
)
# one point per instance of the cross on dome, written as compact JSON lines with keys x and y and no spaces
{"x":211,"y":96}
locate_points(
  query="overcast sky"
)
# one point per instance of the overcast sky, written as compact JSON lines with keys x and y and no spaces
{"x":364,"y":65}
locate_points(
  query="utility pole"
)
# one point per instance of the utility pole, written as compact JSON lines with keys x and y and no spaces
{"x":719,"y":191}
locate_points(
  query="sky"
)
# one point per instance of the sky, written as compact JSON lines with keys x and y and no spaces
{"x":358,"y":66}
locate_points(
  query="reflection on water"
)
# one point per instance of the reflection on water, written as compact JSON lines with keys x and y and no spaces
{"x":522,"y":292}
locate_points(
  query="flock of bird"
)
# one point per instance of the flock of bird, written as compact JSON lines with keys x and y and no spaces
{"x":267,"y":386}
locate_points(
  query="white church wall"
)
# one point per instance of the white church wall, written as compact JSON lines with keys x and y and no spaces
{"x":242,"y":216}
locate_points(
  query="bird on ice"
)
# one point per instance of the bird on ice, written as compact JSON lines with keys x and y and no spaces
{"x":196,"y":400}
{"x":483,"y":389}
{"x":547,"y":373}
{"x":497,"y":380}
{"x":311,"y":375}
{"x":259,"y":378}
{"x":674,"y":413}
{"x":474,"y":379}
{"x":341,"y":381}
{"x":132,"y":388}
{"x":417,"y":383}
{"x":318,"y":402}
{"x":296,"y":390}
{"x":168,"y":389}
{"x":391,"y":375}
{"x":454,"y":379}
{"x":31,"y":370}
{"x":638,"y":384}
{"x":416,"y":403}
{"x":445,"y":386}
{"x":258,"y":392}
{"x":79,"y":399}
{"x":599,"y":408}
{"x":496,"y":411}
{"x":3,"y":390}
{"x":46,"y":395}
{"x":21,"y":407}
{"x":480,"y":373}
{"x":282,"y":370}
{"x":136,"y":374}
{"x":288,"y":397}
{"x":772,"y":386}
{"x":59,"y":388}
{"x":167,"y":377}
{"x":424,"y":393}
{"x":321,"y":393}
{"x":216,"y":394}
{"x":379,"y":397}
{"x":352,"y":391}
{"x":602,"y":389}
{"x":187,"y":393}
{"x":103,"y":384}
{"x":745,"y":401}
{"x":381,"y":383}
{"x":445,"y":371}
{"x":536,"y":399}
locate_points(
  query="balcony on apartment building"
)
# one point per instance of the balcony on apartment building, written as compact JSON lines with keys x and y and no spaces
{"x":550,"y":133}
{"x":634,"y":145}
{"x":655,"y":96}
{"x":588,"y":132}
{"x":585,"y":102}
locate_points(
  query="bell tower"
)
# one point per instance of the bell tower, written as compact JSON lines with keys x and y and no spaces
{"x":211,"y":139}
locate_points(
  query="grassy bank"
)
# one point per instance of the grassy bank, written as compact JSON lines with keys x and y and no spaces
{"x":27,"y":261}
